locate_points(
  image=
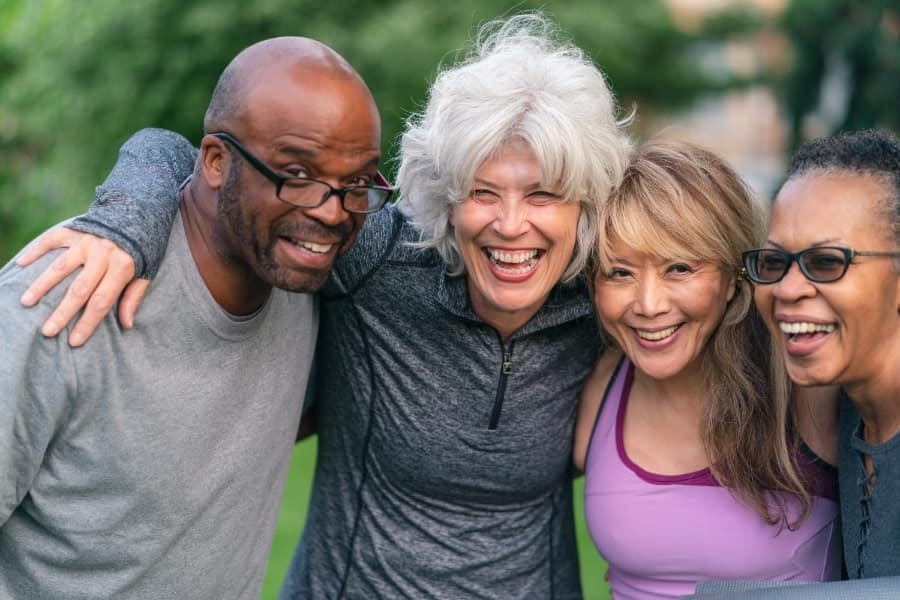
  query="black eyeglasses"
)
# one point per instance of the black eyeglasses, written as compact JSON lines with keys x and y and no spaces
{"x":306,"y":192}
{"x":820,"y":264}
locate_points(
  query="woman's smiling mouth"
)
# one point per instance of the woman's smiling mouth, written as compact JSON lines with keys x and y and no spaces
{"x":513,"y":262}
{"x":659,"y":334}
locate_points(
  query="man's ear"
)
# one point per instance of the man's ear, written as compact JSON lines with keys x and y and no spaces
{"x":215,"y":160}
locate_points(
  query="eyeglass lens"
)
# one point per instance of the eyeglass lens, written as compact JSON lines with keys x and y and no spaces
{"x":301,"y":192}
{"x":818,"y":264}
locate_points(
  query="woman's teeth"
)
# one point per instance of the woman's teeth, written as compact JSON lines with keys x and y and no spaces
{"x":802,"y":327}
{"x":655,"y":336}
{"x":515,"y":262}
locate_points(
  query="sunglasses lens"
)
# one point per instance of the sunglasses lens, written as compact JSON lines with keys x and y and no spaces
{"x":823,"y":264}
{"x":767,"y":266}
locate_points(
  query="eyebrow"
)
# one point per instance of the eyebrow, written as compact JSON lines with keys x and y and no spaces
{"x":529,"y":187}
{"x":306,"y":153}
{"x":286,"y":148}
{"x":828,"y":242}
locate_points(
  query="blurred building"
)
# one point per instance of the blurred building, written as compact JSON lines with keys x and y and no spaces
{"x":744,"y":126}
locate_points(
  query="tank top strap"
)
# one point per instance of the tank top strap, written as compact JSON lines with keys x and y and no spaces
{"x":604,"y":431}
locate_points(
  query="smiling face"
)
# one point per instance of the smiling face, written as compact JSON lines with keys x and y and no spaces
{"x":662,"y":312}
{"x":846,"y":331}
{"x":315,"y":124}
{"x":516,"y":236}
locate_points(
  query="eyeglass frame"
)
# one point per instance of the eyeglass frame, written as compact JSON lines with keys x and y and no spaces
{"x":792,"y":257}
{"x":279,"y":180}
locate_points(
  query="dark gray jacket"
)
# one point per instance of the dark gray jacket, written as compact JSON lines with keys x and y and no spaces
{"x":871,"y":521}
{"x":444,"y":453}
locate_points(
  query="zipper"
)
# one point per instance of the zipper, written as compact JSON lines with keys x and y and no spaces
{"x":505,"y":370}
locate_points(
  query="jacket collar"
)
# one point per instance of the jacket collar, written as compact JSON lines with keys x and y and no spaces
{"x":566,"y":302}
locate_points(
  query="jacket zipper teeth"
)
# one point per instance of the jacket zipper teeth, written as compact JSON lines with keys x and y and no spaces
{"x":505,"y":370}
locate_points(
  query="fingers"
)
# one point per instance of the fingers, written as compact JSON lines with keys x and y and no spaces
{"x":80,"y":290}
{"x":100,"y":298}
{"x":49,"y":240}
{"x":106,"y":271}
{"x":131,"y":301}
{"x":64,"y":265}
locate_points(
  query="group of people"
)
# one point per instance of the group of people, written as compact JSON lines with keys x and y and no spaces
{"x":543,"y":299}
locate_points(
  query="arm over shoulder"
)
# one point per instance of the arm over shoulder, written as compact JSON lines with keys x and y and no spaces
{"x":135,"y":207}
{"x":380,"y":233}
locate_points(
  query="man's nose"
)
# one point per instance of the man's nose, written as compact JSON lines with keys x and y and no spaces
{"x":331,"y":211}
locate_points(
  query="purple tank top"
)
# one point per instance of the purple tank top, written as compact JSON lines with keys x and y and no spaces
{"x":661,"y":534}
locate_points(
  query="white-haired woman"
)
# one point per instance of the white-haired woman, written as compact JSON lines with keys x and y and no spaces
{"x":454,"y":335}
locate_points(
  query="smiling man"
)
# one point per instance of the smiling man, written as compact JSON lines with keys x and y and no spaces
{"x":150,"y":465}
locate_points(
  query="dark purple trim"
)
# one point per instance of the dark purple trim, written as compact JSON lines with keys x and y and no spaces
{"x":701,"y":477}
{"x":819,"y":476}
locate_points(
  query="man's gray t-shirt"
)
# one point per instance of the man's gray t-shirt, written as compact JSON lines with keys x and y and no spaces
{"x":148,"y":463}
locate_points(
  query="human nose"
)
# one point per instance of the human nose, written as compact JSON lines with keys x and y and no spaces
{"x":652,"y":299}
{"x":331,"y":211}
{"x":512,"y":218}
{"x":794,"y":285}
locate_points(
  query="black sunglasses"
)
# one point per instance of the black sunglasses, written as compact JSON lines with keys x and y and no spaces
{"x":306,"y":192}
{"x":820,"y":264}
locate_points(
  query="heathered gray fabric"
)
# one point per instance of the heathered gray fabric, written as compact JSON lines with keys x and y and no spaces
{"x":871,"y":524}
{"x":414,"y":496}
{"x":172,"y":160}
{"x":147,"y":464}
{"x":880,"y":588}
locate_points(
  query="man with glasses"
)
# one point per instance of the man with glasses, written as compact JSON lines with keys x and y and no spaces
{"x":828,"y":286}
{"x":151,"y":464}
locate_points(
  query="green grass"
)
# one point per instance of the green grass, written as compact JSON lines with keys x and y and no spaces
{"x":293,"y":514}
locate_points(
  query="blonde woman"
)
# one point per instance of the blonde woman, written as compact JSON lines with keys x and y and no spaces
{"x":694,"y":467}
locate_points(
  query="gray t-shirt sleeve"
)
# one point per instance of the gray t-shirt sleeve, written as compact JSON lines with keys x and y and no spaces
{"x":36,"y":382}
{"x":136,"y":205}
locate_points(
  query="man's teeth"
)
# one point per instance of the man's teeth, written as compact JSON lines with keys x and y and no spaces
{"x":317,"y":248}
{"x":802,"y":327}
{"x":654,"y":336}
{"x":516,"y":257}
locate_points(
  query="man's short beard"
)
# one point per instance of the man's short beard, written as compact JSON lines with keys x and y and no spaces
{"x":231,"y":200}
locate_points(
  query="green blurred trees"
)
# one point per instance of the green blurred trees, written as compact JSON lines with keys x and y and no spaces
{"x":845,"y":69}
{"x":76,"y":78}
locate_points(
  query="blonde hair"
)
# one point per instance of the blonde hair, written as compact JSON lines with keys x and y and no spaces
{"x":678,"y":200}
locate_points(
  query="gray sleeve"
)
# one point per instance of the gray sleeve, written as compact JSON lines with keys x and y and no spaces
{"x":37,"y":382}
{"x":135,"y":207}
{"x":377,"y":236}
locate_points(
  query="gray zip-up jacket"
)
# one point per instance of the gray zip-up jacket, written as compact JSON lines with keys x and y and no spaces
{"x":443,"y":466}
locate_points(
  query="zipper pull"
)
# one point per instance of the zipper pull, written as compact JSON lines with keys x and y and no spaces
{"x":507,"y":363}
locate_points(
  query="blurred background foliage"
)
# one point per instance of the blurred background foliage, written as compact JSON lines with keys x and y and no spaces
{"x":77,"y":78}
